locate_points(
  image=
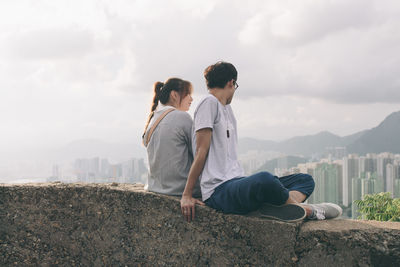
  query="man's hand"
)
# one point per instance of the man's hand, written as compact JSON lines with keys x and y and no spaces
{"x":203,"y":140}
{"x":188,"y":207}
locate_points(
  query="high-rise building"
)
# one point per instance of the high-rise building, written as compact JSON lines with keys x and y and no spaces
{"x":87,"y":170}
{"x":390,"y":177}
{"x":338,"y":164}
{"x":105,"y":168}
{"x":367,"y":164}
{"x":367,"y":186}
{"x":326,"y":183}
{"x":350,"y":171}
{"x":377,"y":186}
{"x":81,"y":167}
{"x":363,"y":186}
{"x":335,"y":153}
{"x":116,"y":172}
{"x":396,"y":190}
{"x":392,"y":174}
{"x":356,"y":195}
{"x":94,"y":169}
{"x":382,"y":161}
{"x":56,"y":174}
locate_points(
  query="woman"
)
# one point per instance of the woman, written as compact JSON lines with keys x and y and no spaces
{"x":169,"y":144}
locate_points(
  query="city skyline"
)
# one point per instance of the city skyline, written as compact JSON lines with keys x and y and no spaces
{"x":345,"y":180}
{"x":35,"y":164}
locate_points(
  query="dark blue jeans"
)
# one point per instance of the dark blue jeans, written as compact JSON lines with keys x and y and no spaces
{"x":246,"y":194}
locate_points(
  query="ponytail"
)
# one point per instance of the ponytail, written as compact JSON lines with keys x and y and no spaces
{"x":157,"y":90}
{"x":162,"y":92}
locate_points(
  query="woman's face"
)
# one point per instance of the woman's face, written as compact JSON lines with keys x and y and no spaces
{"x":185,"y":103}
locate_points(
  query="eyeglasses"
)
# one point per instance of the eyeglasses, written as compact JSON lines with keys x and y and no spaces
{"x":236,"y":84}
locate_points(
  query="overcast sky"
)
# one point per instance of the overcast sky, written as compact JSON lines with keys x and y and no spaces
{"x":85,"y":69}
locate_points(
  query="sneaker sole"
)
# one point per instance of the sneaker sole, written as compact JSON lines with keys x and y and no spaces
{"x":286,"y":213}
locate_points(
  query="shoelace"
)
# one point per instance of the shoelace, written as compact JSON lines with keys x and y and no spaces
{"x":320,"y":213}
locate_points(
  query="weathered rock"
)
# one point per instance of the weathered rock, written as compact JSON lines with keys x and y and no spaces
{"x":349,"y":243}
{"x":119,"y":224}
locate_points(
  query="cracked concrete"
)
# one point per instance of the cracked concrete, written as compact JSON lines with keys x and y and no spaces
{"x":121,"y":224}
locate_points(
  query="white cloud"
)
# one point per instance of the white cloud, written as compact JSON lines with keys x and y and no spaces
{"x":70,"y":70}
{"x":154,"y":11}
{"x":336,"y":50}
{"x":29,"y":15}
{"x":51,"y":44}
{"x":298,"y":22}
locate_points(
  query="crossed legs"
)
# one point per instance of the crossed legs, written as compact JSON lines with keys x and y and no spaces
{"x":246,"y":194}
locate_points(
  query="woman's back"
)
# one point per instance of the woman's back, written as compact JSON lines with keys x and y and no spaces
{"x":170,"y":152}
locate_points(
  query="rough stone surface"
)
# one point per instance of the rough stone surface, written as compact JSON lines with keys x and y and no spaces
{"x":122,"y":225}
{"x":349,"y":243}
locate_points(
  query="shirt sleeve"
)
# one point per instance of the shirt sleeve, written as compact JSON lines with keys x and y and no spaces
{"x":206,"y":114}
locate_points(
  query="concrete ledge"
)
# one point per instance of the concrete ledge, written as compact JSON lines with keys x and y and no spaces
{"x":120,"y":224}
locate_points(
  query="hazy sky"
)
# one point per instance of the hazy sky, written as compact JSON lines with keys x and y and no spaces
{"x":84,"y":69}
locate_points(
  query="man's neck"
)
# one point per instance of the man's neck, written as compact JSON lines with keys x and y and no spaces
{"x":220,"y":94}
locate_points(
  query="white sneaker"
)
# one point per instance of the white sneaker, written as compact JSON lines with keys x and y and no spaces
{"x":325,"y":211}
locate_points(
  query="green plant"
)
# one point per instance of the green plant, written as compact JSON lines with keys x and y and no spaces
{"x":380,"y":207}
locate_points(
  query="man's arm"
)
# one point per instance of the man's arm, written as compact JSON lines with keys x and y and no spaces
{"x":203,"y":141}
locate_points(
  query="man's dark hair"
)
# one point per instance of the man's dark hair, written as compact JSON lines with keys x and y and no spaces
{"x":219,"y":74}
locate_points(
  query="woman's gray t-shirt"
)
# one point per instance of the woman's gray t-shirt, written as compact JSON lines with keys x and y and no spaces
{"x":170,"y":153}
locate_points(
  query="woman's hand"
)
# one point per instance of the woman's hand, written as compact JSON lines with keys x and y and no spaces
{"x":188,"y":207}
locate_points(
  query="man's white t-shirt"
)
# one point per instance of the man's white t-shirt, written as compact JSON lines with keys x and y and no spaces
{"x":222,"y":163}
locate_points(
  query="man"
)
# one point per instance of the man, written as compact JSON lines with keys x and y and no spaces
{"x":223,"y":184}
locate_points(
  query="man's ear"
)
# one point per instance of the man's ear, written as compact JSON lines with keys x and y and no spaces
{"x":231,"y":83}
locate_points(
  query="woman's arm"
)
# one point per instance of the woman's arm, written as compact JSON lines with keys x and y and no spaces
{"x":203,"y":141}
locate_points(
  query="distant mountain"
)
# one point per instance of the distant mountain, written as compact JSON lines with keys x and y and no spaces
{"x":299,"y":145}
{"x":349,"y":139}
{"x":307,"y":145}
{"x":383,"y":138}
